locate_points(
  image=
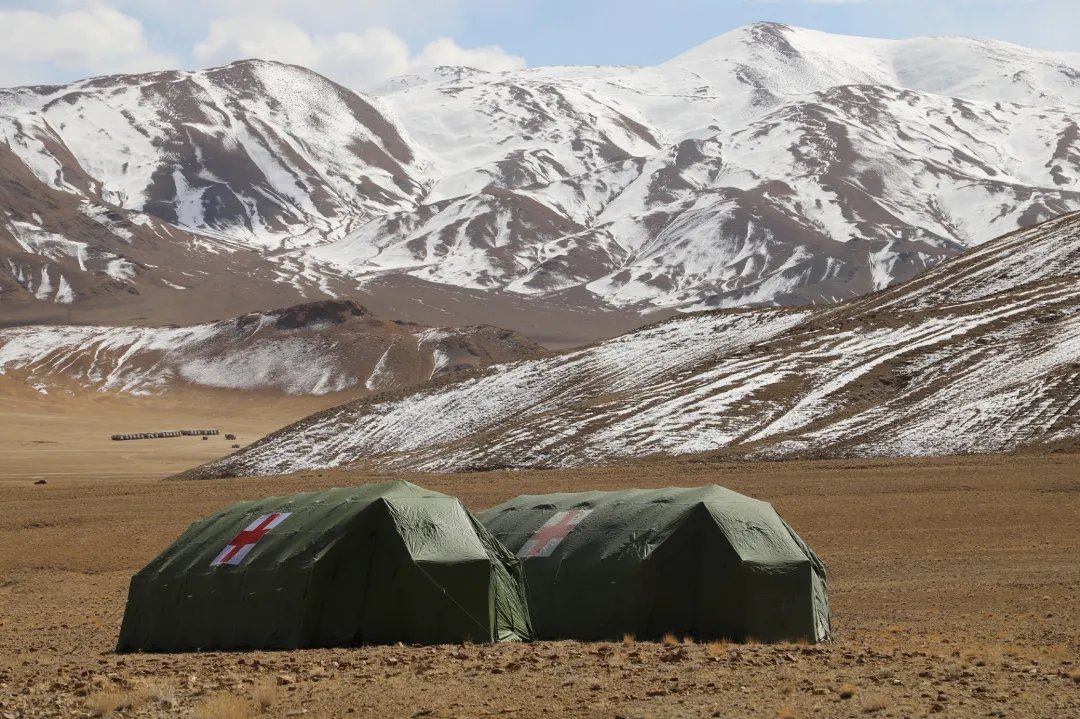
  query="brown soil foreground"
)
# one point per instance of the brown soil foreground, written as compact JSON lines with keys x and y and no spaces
{"x":954,"y":586}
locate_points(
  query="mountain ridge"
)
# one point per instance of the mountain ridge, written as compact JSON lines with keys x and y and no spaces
{"x":329,"y":347}
{"x":772,"y":165}
{"x":946,"y":363}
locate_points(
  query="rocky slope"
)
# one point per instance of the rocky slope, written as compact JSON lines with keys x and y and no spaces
{"x":979,"y":354}
{"x":313,"y":349}
{"x":770,"y":166}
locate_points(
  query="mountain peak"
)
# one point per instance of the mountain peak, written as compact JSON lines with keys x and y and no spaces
{"x":773,"y":164}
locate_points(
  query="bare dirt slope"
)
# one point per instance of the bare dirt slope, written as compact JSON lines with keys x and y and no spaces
{"x":953,"y":585}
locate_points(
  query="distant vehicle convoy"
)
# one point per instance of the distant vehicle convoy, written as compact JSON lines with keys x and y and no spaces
{"x":161,"y":435}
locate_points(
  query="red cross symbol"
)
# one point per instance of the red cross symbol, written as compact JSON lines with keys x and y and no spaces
{"x":240,"y":545}
{"x":552,"y":533}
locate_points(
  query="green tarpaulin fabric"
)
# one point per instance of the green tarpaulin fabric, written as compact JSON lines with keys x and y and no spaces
{"x":372,"y":564}
{"x":705,"y":562}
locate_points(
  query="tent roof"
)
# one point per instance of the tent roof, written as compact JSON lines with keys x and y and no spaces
{"x":638,"y":520}
{"x":434,"y":527}
{"x":712,"y":493}
{"x":357,"y":497}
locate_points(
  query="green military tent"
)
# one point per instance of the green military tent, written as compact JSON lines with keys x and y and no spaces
{"x":372,"y":564}
{"x":704,"y":562}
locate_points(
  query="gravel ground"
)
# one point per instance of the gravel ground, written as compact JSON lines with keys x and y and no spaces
{"x":954,"y":586}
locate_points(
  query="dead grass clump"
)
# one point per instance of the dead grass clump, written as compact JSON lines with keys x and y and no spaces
{"x":874,"y":704}
{"x":688,"y":640}
{"x":265,"y":696}
{"x":1074,"y":674}
{"x":669,"y":640}
{"x":223,"y":706}
{"x":847,"y":690}
{"x":786,"y":713}
{"x":716,"y":648}
{"x":156,"y":691}
{"x":106,"y":702}
{"x":628,"y":639}
{"x":895,"y":629}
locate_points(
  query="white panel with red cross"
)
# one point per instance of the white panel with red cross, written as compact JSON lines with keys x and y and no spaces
{"x":548,"y":537}
{"x":242,"y":544}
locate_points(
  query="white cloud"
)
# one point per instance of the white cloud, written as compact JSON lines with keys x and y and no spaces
{"x":63,"y":40}
{"x":87,"y":41}
{"x":445,"y":51}
{"x":357,"y":59}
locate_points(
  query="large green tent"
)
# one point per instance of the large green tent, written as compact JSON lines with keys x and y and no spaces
{"x":704,"y":562}
{"x":372,"y":564}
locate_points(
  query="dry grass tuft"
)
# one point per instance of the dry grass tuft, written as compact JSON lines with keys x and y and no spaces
{"x":628,"y":640}
{"x":106,"y":702}
{"x":265,"y":696}
{"x":847,"y":690}
{"x":669,"y":640}
{"x":688,"y":639}
{"x":895,"y":629}
{"x":874,"y":704}
{"x":786,"y":713}
{"x":716,"y":648}
{"x":156,"y":691}
{"x":1074,"y":674}
{"x":223,"y":706}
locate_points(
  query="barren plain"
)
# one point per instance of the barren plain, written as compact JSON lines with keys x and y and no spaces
{"x":953,"y":582}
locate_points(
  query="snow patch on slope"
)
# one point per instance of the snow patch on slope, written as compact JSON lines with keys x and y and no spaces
{"x":944,"y":363}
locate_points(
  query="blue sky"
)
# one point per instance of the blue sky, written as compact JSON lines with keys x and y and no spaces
{"x":362,"y":42}
{"x":650,"y":31}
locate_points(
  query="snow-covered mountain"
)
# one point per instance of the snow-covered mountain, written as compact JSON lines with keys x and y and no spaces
{"x":314,"y":349}
{"x":981,"y":353}
{"x":772,"y":165}
{"x":184,"y":187}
